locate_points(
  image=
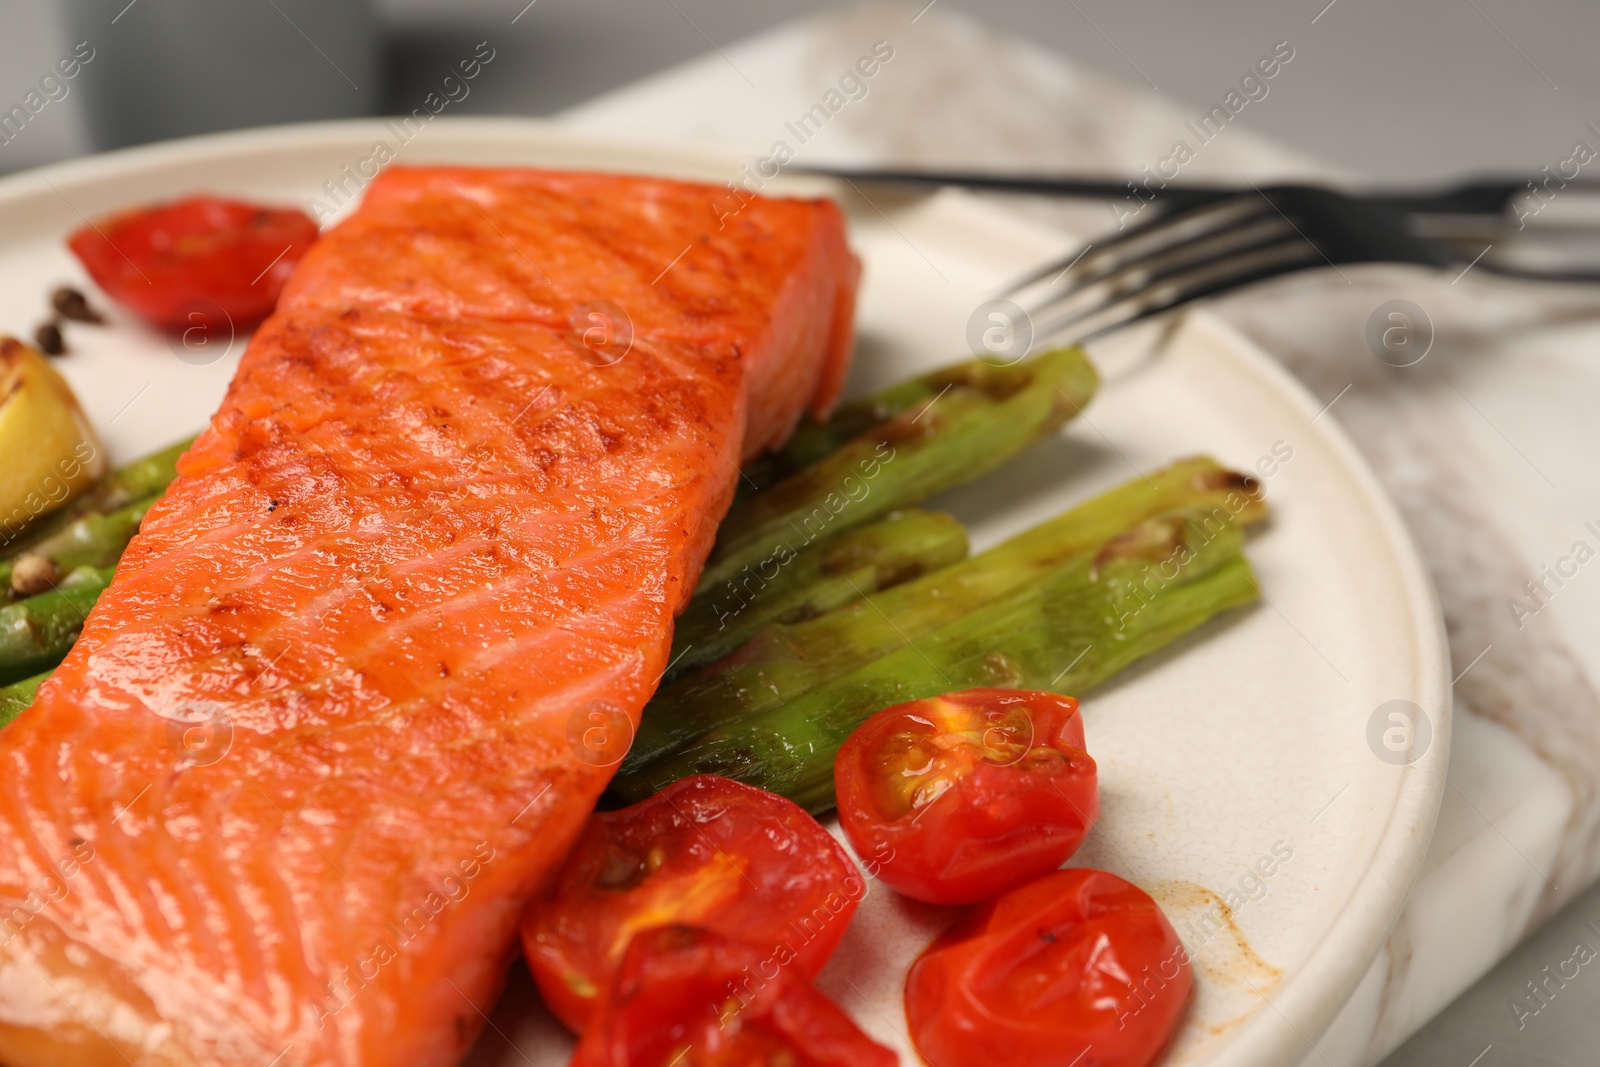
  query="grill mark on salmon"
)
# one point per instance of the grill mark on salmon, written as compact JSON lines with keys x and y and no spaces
{"x":422,"y":533}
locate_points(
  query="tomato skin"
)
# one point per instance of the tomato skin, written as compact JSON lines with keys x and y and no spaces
{"x":706,"y":851}
{"x":1013,"y":793}
{"x":682,"y":986}
{"x":168,"y":262}
{"x":1076,"y":964}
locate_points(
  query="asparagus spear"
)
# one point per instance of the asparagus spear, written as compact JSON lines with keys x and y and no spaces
{"x":36,"y":633}
{"x":826,"y":575}
{"x":88,"y":534}
{"x":954,"y":437}
{"x":1088,"y":619}
{"x":95,"y":539}
{"x":784,"y":661}
{"x":812,"y":440}
{"x":18,"y":695}
{"x":113,"y":491}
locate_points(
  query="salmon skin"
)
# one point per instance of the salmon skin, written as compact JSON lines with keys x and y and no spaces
{"x":374,"y":655}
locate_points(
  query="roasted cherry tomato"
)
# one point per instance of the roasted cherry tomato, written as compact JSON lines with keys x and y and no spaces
{"x":686,"y":997}
{"x":957,"y":798}
{"x":1078,"y":967}
{"x":181,"y":265}
{"x":706,"y":851}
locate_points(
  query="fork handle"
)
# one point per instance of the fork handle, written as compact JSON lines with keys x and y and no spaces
{"x":1488,"y":196}
{"x":1174,"y":197}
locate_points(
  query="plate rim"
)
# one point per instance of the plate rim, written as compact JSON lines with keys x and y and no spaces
{"x":1396,"y":862}
{"x":1330,"y":973}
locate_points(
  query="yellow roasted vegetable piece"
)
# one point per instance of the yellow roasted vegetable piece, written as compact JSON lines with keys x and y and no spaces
{"x":48,"y":451}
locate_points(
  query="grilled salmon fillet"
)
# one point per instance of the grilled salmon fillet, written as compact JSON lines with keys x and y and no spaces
{"x":362,"y":674}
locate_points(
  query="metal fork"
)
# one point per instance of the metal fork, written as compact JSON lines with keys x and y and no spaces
{"x":1222,"y":244}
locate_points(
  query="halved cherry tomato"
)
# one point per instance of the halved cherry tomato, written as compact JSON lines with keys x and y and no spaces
{"x":956,"y":798}
{"x":1079,"y":967}
{"x":706,"y":851}
{"x":687,"y":997}
{"x":202,"y":256}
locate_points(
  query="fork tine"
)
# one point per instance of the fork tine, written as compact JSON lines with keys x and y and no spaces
{"x":1181,"y":288}
{"x":1169,"y":229}
{"x":1123,"y":280}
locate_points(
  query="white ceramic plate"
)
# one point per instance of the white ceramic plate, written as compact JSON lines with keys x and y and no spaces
{"x":1238,"y":766}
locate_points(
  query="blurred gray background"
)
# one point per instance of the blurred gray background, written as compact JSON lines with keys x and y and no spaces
{"x":1427,"y":89}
